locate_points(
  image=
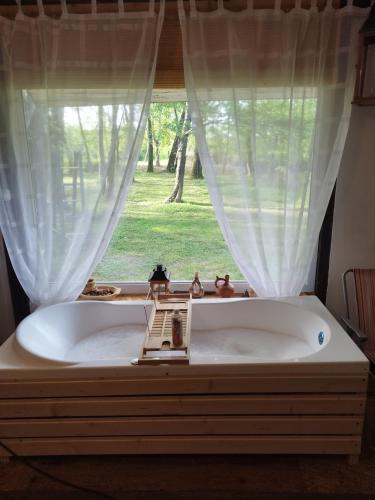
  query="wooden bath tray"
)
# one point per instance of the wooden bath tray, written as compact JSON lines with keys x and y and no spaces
{"x":158,"y":347}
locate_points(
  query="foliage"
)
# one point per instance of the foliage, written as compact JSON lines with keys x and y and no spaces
{"x":185,"y":236}
{"x":164,"y":118}
{"x":265,"y":128}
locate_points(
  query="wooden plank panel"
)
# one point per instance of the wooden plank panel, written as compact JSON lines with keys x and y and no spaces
{"x":185,"y":385}
{"x":348,"y":445}
{"x":353,"y":404}
{"x":154,"y":426}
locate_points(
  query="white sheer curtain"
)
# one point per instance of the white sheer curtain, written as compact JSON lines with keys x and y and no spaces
{"x":75,"y":94}
{"x":270,"y":95}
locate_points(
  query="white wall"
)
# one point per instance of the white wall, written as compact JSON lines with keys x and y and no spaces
{"x":6,"y":310}
{"x":353,"y":236}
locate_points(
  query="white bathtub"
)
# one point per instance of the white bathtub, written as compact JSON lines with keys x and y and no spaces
{"x":223,"y":331}
{"x":265,"y":376}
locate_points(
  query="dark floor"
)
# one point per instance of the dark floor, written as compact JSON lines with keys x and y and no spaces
{"x":231,"y":476}
{"x":185,"y":477}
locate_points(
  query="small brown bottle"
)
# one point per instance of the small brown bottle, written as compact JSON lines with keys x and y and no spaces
{"x":177,"y":335}
{"x":225,"y":290}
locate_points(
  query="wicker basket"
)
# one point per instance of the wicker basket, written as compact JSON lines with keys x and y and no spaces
{"x":115,"y":292}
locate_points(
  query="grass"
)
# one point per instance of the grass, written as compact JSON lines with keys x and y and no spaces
{"x":183,"y":236}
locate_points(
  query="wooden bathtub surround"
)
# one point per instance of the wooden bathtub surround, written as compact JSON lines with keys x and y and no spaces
{"x":313,"y":413}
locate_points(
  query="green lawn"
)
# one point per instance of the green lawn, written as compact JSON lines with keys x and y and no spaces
{"x":183,"y":236}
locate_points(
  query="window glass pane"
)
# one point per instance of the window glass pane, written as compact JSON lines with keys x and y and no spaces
{"x":183,"y":236}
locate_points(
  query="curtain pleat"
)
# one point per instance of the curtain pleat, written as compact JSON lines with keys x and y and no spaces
{"x":75,"y":95}
{"x":270,"y":96}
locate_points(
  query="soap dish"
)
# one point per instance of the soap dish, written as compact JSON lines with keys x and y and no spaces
{"x":95,"y":294}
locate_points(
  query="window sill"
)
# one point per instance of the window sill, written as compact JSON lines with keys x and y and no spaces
{"x":142,"y":287}
{"x":132,"y":290}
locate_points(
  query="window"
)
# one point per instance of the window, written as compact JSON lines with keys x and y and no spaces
{"x":182,"y":234}
{"x":168,"y":216}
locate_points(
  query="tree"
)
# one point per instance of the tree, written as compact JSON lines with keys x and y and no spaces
{"x":150,"y":164}
{"x":172,"y":160}
{"x":157,"y":151}
{"x":57,"y":130}
{"x":101,"y":140}
{"x":160,"y":116}
{"x":197,"y":172}
{"x":113,"y":151}
{"x":84,"y":139}
{"x":176,"y":195}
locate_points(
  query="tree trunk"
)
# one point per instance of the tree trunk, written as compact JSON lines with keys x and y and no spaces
{"x":57,"y":128}
{"x":197,"y":172}
{"x":177,"y":157}
{"x":157,"y":152}
{"x":87,"y":150}
{"x":172,"y":160}
{"x":250,"y":164}
{"x":112,"y":156}
{"x":101,"y":141}
{"x":57,"y":131}
{"x":171,"y":166}
{"x":150,"y":165}
{"x":176,"y":195}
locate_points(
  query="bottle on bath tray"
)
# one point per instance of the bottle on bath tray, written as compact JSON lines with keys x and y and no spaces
{"x":177,"y":335}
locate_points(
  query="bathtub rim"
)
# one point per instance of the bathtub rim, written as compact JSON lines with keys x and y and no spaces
{"x":339,"y":356}
{"x":21,"y":332}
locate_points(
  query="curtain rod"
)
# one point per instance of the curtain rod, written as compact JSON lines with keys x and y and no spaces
{"x":77,"y":3}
